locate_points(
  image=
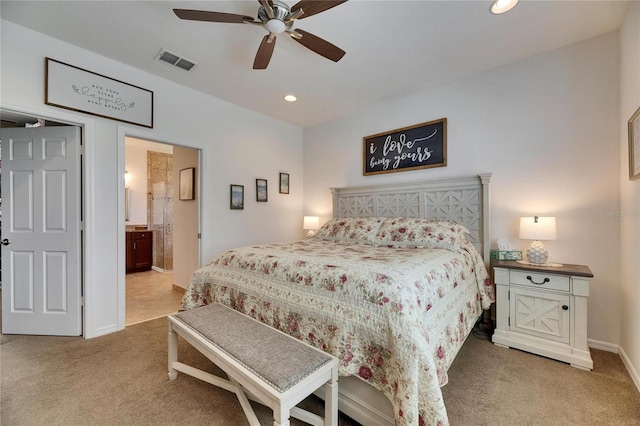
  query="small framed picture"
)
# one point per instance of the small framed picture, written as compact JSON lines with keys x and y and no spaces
{"x":284,"y":183}
{"x":634,"y":146}
{"x":237,"y":197}
{"x":261,"y":190}
{"x":187,"y":184}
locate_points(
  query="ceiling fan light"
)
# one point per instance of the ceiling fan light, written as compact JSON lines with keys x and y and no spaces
{"x":290,"y":98}
{"x":275,"y":26}
{"x":502,"y":6}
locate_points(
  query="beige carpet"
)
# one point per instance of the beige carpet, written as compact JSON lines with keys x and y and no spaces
{"x":120,"y":379}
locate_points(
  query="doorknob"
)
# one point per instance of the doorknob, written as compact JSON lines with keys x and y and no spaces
{"x":5,"y":242}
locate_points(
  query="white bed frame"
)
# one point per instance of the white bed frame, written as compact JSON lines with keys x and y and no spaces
{"x":465,"y":201}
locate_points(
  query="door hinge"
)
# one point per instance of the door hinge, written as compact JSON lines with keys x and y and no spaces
{"x":509,"y":321}
{"x":81,"y":300}
{"x":199,"y":235}
{"x":509,"y":295}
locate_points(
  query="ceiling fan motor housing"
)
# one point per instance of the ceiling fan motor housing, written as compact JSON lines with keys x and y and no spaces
{"x":277,"y":24}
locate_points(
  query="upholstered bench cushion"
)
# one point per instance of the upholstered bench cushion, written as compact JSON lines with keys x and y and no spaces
{"x":278,"y":359}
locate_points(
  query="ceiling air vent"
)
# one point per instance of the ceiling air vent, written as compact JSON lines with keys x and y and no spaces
{"x":175,"y":60}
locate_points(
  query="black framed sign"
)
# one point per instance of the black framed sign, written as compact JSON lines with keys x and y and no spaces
{"x":421,"y":146}
{"x":77,"y":89}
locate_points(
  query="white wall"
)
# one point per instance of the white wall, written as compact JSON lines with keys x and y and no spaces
{"x":547,"y":127}
{"x":237,"y":145}
{"x":630,"y":195}
{"x":185,"y":228}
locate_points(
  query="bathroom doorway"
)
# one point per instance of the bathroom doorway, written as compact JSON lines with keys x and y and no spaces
{"x":154,"y":288}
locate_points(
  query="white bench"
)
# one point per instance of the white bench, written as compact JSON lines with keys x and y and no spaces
{"x":262,"y":363}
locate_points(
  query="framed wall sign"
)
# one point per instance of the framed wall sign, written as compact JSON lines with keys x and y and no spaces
{"x":237,"y":197}
{"x":70,"y":87}
{"x":187,"y":184}
{"x":284,"y":183}
{"x":634,"y":146}
{"x":261,"y":190}
{"x":420,"y":146}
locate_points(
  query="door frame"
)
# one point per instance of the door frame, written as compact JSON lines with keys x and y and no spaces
{"x":123,"y":133}
{"x":90,"y":262}
{"x":87,"y":133}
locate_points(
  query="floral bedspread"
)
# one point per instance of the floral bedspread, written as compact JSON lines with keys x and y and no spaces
{"x":394,"y":317}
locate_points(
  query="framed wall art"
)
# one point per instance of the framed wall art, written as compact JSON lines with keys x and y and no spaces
{"x":261,"y":190}
{"x":237,"y":197}
{"x":634,"y":146}
{"x":420,"y":146}
{"x":284,"y":183}
{"x":188,"y":183}
{"x":74,"y":88}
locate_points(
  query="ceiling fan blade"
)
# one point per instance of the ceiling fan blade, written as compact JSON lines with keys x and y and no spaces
{"x":313,"y":7}
{"x":203,"y":15}
{"x":264,"y":52}
{"x":320,"y":46}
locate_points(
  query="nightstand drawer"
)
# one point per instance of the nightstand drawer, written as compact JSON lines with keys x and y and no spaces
{"x":540,"y":280}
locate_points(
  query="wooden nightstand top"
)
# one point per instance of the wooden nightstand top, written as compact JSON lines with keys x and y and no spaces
{"x":565,"y":269}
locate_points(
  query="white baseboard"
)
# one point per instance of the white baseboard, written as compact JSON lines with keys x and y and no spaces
{"x":603,"y":346}
{"x":102,"y":331}
{"x":632,"y":371}
{"x":616,"y":349}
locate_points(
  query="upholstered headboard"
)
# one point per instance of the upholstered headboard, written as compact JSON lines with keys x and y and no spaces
{"x":462,"y":200}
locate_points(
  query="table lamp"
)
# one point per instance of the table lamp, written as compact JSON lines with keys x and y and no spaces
{"x":312,"y":223}
{"x":538,"y":228}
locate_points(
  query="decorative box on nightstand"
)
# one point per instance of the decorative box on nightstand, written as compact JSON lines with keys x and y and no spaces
{"x":543,"y":310}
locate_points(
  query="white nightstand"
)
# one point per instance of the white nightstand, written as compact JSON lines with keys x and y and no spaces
{"x":543,"y":310}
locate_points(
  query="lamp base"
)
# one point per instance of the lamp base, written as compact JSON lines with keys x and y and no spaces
{"x":311,"y":233}
{"x":537,"y":253}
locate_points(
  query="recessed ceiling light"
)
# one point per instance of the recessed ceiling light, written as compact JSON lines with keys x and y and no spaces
{"x":290,"y":98}
{"x":502,"y":6}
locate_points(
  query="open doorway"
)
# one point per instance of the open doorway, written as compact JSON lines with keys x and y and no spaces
{"x":152,"y":173}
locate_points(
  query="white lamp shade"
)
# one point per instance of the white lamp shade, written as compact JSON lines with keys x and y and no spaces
{"x":311,"y":222}
{"x":538,"y":228}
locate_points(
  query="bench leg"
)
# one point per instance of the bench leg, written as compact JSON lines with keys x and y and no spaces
{"x":244,"y":403}
{"x":173,"y":352}
{"x":331,"y":400}
{"x":280,"y":417}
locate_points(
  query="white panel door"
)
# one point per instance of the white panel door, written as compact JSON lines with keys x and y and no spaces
{"x":41,"y":255}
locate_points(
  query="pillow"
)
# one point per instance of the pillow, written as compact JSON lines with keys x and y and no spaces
{"x":421,"y":233}
{"x":355,"y":230}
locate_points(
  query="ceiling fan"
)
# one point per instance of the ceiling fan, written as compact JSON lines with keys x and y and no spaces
{"x":277,"y":18}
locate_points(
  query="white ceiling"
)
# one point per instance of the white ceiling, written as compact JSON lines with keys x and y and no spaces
{"x":393,"y":47}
